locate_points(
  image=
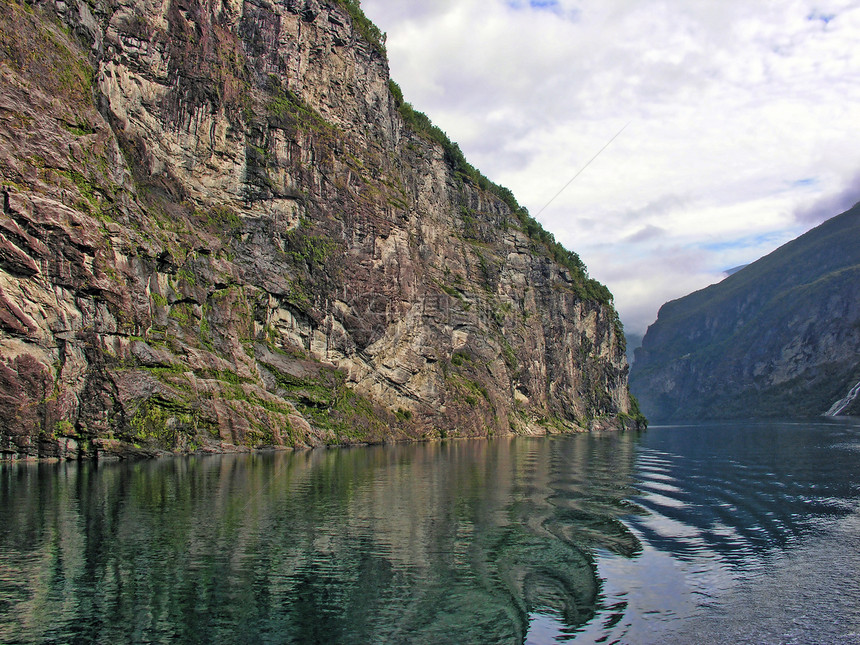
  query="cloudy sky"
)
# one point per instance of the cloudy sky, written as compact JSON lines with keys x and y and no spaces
{"x":742,"y":122}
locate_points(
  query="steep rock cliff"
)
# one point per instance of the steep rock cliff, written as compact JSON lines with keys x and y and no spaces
{"x":781,"y":337}
{"x":218,"y":232}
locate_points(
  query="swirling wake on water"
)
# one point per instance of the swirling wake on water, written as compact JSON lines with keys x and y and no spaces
{"x":695,"y":534}
{"x":453,"y":542}
{"x":752,"y":535}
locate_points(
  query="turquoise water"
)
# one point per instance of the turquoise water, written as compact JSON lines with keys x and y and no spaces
{"x":729,"y":533}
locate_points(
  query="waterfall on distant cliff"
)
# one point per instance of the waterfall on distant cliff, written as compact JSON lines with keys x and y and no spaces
{"x":837,"y":408}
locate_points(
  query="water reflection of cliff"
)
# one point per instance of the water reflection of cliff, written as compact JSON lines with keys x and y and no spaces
{"x":453,"y":542}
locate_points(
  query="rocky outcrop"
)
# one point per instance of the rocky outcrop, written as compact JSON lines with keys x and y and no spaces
{"x":779,"y":338}
{"x":218,"y":233}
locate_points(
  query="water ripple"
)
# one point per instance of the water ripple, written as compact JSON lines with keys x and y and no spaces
{"x":592,"y":538}
{"x":728,"y":506}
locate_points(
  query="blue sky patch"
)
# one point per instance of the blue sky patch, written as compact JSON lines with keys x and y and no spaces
{"x":807,"y":181}
{"x":750,"y":241}
{"x":539,"y":5}
{"x":823,"y":17}
{"x":547,"y":6}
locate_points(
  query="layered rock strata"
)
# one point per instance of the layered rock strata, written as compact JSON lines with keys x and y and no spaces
{"x":219,"y":233}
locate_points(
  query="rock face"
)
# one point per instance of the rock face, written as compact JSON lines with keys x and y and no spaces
{"x":219,"y":233}
{"x":779,"y":338}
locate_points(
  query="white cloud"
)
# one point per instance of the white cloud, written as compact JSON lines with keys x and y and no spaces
{"x":743,"y":122}
{"x":815,"y":211}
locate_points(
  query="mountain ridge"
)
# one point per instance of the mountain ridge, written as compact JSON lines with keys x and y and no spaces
{"x":219,"y":233}
{"x":777,"y":338}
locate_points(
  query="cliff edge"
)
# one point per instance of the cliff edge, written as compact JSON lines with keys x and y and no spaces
{"x":224,"y":229}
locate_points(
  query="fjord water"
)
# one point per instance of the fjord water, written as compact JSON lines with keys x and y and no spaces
{"x":709,"y":533}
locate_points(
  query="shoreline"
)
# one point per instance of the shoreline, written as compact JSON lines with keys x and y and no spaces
{"x":115,"y":450}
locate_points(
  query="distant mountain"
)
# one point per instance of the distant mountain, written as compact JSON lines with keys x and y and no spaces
{"x":634,"y":342}
{"x":781,"y":337}
{"x":734,"y":270}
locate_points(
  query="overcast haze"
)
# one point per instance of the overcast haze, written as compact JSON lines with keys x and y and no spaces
{"x":744,"y":122}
